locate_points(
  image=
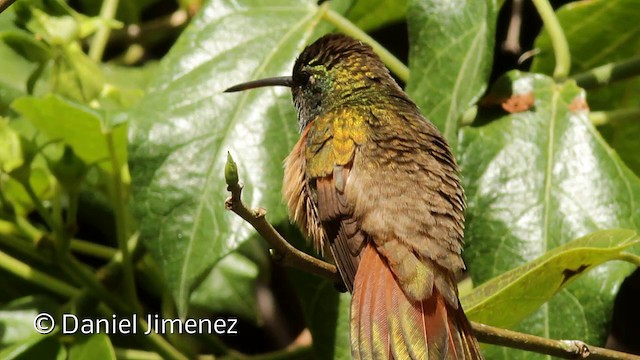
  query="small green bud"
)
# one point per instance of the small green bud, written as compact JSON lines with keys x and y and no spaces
{"x":231,"y":171}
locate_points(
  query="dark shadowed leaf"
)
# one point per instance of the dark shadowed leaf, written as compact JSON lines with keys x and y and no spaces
{"x":451,"y":51}
{"x":327,"y":314}
{"x":230,"y":287}
{"x":182,"y":129}
{"x":536,"y":180}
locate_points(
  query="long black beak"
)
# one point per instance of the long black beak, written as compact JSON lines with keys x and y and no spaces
{"x":274,"y":81}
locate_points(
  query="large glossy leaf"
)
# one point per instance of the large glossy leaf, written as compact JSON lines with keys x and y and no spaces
{"x":451,"y":51}
{"x":547,"y":275}
{"x":183,"y":128}
{"x":615,"y":26}
{"x":536,"y":180}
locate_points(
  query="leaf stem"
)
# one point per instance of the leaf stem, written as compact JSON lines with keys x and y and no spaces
{"x":347,"y":27}
{"x":629,"y":257}
{"x":93,"y":249}
{"x":77,"y":271}
{"x":42,"y":211}
{"x":608,"y":73}
{"x":121,"y":218}
{"x":99,"y":41}
{"x":135,"y":354}
{"x":37,"y":277}
{"x":558,"y":39}
{"x":598,"y":118}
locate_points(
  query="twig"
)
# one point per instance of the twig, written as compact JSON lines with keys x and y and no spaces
{"x":608,"y":73}
{"x":558,"y":39}
{"x":566,"y":349}
{"x":4,"y":4}
{"x":285,"y":253}
{"x":139,"y":33}
{"x":512,"y":42}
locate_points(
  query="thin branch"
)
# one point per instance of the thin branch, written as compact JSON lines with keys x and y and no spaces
{"x":566,"y":349}
{"x":4,"y":4}
{"x":512,"y":43}
{"x":558,"y":39}
{"x":608,"y":73}
{"x":149,"y":31}
{"x":285,"y":253}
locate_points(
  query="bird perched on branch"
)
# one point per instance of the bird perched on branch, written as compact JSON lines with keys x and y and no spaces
{"x":375,"y":182}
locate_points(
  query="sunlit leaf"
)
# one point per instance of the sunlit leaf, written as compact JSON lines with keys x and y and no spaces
{"x":450,"y":57}
{"x":526,"y":288}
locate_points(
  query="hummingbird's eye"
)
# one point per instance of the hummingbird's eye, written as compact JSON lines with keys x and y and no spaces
{"x":305,"y":77}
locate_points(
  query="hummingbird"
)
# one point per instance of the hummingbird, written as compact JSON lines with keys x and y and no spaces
{"x":375,"y":186}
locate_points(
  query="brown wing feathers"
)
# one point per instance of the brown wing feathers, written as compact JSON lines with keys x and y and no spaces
{"x":345,"y":239}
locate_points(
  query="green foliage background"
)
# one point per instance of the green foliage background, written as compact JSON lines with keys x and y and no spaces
{"x":137,"y":155}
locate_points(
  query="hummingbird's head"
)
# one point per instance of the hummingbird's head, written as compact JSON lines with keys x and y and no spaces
{"x":333,"y":71}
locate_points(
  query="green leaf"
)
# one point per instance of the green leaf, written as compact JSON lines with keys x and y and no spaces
{"x":451,"y":50}
{"x":614,"y":26}
{"x":230,"y":287}
{"x":89,"y":347}
{"x":372,"y":14}
{"x":19,"y":340}
{"x":184,"y":126}
{"x":78,"y":126}
{"x":75,"y":75}
{"x":16,"y":318}
{"x":27,"y":46}
{"x":547,"y":274}
{"x":327,"y":315}
{"x":15,"y":71}
{"x":10,"y":147}
{"x":536,"y":180}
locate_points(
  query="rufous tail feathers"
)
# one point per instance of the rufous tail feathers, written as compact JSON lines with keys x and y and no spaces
{"x":385,"y":324}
